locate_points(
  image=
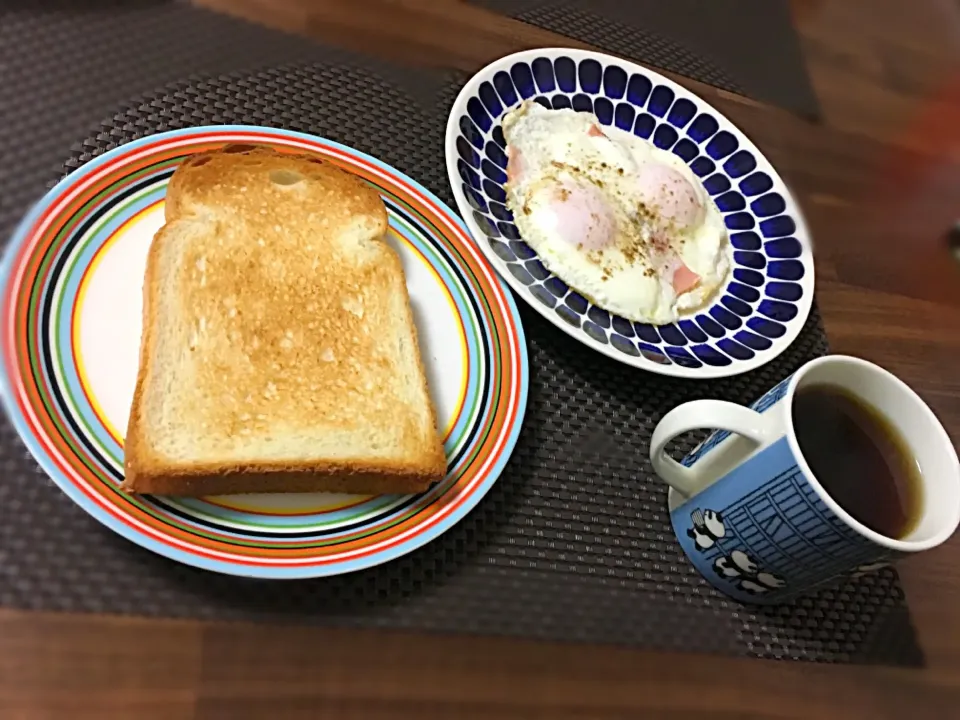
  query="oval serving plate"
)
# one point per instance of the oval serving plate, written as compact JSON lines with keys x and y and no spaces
{"x":769,"y":291}
{"x":71,"y":304}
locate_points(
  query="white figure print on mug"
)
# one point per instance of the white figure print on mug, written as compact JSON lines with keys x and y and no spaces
{"x":783,"y":496}
{"x":707,"y":528}
{"x":737,"y":566}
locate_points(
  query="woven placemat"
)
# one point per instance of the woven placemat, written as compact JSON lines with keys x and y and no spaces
{"x":572,"y":543}
{"x":746,"y":46}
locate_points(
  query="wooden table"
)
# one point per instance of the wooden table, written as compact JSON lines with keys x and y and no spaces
{"x":879,"y":182}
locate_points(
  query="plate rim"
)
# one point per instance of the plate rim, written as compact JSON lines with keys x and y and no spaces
{"x":706,"y":372}
{"x":48,"y":465}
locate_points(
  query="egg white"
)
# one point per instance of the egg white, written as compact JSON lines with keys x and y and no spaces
{"x":555,"y":147}
{"x":617,"y":283}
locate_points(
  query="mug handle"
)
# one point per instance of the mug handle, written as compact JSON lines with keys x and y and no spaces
{"x":695,"y":415}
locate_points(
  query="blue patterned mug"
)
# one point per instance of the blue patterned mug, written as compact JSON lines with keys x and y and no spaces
{"x":752,"y":517}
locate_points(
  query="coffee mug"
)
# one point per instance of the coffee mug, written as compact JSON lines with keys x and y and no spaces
{"x":749,"y":512}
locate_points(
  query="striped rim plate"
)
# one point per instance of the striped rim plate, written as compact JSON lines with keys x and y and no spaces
{"x":71,"y":304}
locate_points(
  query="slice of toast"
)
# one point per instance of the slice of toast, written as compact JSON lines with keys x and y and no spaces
{"x":278,"y":352}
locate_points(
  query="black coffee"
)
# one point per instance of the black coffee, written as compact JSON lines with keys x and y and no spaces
{"x":859,"y":458}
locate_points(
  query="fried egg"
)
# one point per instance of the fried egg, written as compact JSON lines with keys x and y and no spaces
{"x":623,"y":222}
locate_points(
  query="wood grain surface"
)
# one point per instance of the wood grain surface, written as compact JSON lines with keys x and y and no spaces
{"x":879,"y":182}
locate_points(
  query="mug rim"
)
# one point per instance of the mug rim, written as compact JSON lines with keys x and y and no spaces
{"x":906,"y":546}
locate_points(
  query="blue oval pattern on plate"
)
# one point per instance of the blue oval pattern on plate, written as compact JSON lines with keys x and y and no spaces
{"x":764,"y":293}
{"x":603,"y":109}
{"x":643,"y":127}
{"x":624,"y":115}
{"x":664,"y":137}
{"x":686,"y":150}
{"x":614,"y":82}
{"x":681,"y":112}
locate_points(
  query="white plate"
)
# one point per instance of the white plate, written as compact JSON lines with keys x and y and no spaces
{"x":767,"y":298}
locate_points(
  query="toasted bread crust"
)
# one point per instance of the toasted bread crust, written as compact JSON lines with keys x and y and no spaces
{"x":210,"y":180}
{"x":344,"y":478}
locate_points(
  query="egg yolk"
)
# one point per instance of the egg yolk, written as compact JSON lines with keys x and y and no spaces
{"x":582,"y":217}
{"x":670,"y":195}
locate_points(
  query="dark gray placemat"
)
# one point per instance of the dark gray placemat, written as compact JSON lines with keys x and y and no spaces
{"x":65,"y":64}
{"x":572,"y":543}
{"x":745,"y":46}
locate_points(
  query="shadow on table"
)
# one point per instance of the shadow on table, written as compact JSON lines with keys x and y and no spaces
{"x":872,"y":608}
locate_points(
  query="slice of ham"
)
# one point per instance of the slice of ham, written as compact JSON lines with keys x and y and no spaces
{"x":684,"y":278}
{"x":515,"y":165}
{"x":670,"y":265}
{"x":595,"y":131}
